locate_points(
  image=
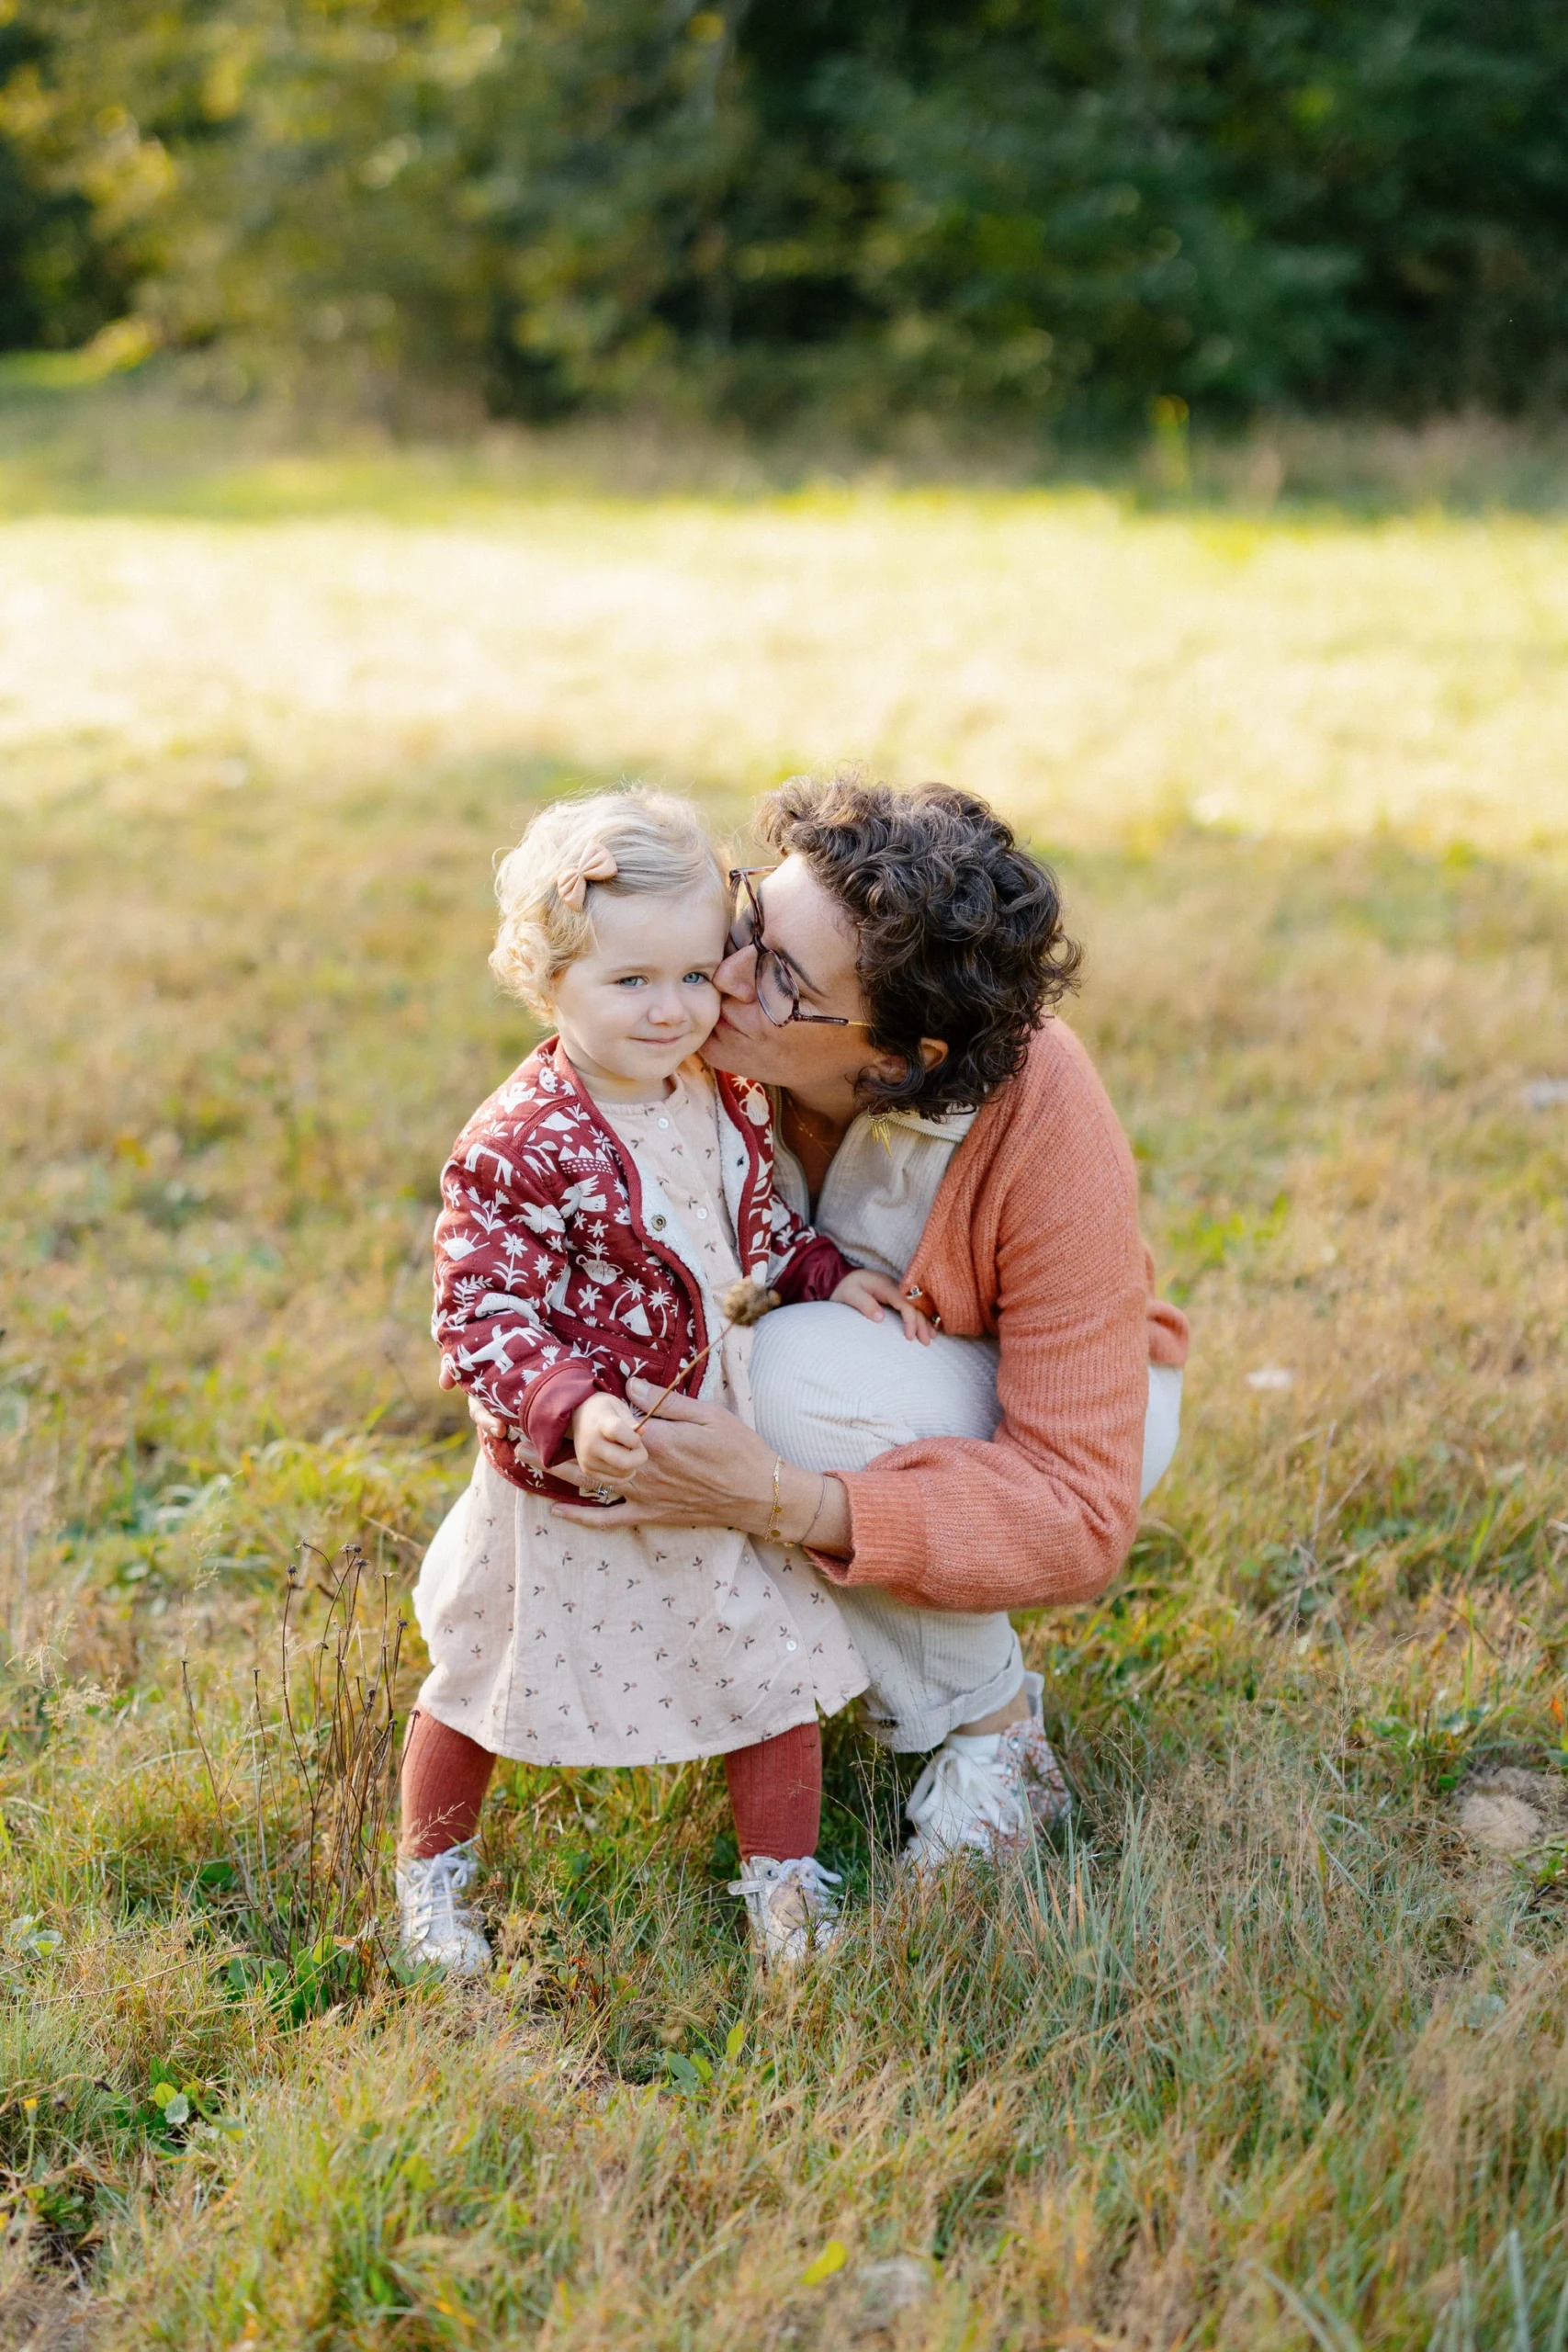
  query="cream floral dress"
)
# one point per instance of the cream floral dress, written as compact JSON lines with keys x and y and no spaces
{"x":573,"y":1645}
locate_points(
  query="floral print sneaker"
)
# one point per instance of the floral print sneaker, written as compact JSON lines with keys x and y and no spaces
{"x":988,"y":1792}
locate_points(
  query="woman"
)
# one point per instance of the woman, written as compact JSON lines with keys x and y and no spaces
{"x":892,"y":977}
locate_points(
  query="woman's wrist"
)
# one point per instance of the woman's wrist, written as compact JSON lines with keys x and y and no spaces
{"x":798,"y":1491}
{"x":814,"y":1509}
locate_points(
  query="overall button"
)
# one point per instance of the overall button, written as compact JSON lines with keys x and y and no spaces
{"x":658,"y":1223}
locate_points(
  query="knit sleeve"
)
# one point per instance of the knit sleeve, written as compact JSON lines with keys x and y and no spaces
{"x":1169,"y":1338}
{"x":1046,"y":1512}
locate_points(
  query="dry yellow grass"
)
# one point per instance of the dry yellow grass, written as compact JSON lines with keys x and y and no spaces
{"x":1094,"y":670}
{"x":1274,"y":2055}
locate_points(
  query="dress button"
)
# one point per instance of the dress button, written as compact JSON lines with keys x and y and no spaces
{"x":702,"y":1212}
{"x":790,"y":1645}
{"x":664,"y":1123}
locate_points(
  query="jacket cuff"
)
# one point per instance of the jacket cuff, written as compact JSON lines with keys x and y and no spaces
{"x":547,"y":1408}
{"x":814,"y":1274}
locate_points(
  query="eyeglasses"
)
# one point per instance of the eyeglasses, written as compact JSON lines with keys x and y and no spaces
{"x":778,"y":991}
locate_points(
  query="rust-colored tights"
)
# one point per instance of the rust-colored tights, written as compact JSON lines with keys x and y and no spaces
{"x":775,"y":1789}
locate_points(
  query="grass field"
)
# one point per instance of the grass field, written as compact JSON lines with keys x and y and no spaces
{"x":1272,"y":2051}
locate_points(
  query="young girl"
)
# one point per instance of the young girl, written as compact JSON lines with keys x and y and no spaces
{"x":597,"y":1208}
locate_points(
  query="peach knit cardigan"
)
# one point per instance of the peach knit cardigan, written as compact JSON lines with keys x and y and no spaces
{"x":1033,"y":1238}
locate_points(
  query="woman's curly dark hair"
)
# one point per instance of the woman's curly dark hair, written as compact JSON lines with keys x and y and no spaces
{"x":961,"y":932}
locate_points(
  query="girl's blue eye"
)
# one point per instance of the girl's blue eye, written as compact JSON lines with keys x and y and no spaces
{"x":703,"y":978}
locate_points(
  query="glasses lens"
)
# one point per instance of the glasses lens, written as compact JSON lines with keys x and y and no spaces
{"x":775,"y":990}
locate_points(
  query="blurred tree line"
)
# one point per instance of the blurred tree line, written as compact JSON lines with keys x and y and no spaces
{"x":1010,"y":208}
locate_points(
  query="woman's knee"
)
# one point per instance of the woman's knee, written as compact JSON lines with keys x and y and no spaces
{"x":832,"y":1389}
{"x":1162,"y":1425}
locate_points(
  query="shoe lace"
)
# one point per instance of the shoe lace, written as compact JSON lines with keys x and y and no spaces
{"x":965,"y":1800}
{"x":959,"y":1780}
{"x":436,"y":1884}
{"x":805,"y":1872}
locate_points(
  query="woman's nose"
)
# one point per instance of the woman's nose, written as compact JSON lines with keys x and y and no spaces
{"x":737,"y":975}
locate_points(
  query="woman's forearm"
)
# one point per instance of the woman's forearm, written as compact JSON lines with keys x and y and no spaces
{"x":812,"y":1508}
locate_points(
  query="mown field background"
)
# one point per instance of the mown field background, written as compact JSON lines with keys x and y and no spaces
{"x":1270,"y":2051}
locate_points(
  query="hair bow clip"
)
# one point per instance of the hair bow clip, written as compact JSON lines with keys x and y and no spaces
{"x":571,"y":882}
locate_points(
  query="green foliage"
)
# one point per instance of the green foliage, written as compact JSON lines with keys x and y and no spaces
{"x":1020,"y":209}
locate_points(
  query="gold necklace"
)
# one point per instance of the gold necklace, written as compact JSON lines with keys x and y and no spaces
{"x":817,"y":1125}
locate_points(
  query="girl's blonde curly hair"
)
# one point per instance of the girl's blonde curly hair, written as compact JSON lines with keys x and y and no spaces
{"x":660,"y":849}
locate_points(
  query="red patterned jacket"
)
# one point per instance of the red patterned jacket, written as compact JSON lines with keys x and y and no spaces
{"x":550,"y":1281}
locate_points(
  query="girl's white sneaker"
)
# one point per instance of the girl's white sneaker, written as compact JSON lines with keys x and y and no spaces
{"x":439,"y":1929}
{"x":791,"y":1908}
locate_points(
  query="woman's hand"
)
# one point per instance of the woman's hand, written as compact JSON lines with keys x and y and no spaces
{"x":869,"y":1293}
{"x":706,"y":1468}
{"x":489,"y":1424}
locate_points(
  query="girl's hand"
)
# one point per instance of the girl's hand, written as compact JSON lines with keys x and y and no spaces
{"x":869,"y":1293}
{"x":604,"y":1440}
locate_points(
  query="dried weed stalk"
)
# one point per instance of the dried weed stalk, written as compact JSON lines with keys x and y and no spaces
{"x":305,"y":1845}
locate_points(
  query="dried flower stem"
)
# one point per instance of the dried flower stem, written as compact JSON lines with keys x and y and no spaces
{"x":743,"y":1302}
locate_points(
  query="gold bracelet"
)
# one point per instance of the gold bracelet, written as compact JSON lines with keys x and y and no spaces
{"x":774,"y":1515}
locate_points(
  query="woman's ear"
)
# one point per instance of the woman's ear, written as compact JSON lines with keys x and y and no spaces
{"x":893,"y":1069}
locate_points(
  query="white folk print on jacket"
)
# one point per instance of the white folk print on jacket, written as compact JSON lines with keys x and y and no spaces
{"x":556,"y":1275}
{"x":606,"y":1645}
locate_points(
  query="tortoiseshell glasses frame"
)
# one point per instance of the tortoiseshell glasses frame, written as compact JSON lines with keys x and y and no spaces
{"x":774,"y":978}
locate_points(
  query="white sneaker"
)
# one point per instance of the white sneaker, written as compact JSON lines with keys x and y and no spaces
{"x":988,"y":1792}
{"x":439,"y":1931}
{"x":791,"y":1908}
